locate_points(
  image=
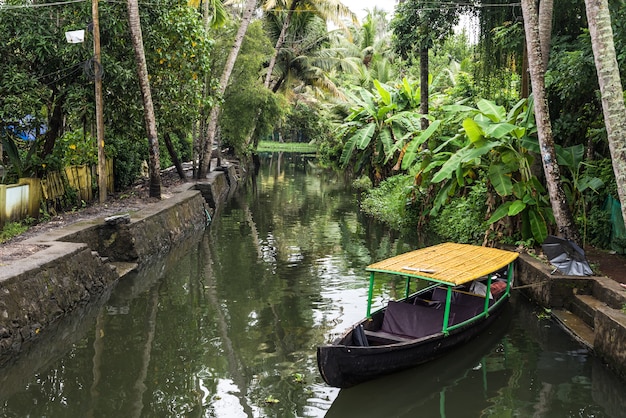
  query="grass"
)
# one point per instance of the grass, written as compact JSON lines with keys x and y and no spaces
{"x":301,"y":147}
{"x":12,"y":229}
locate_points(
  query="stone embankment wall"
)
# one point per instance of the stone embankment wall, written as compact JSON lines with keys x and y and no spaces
{"x":606,"y":306}
{"x":78,"y":263}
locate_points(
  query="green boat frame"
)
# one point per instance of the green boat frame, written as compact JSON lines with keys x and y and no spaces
{"x":437,"y":265}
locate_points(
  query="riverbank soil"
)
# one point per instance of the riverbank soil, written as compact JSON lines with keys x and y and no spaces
{"x":605,"y":263}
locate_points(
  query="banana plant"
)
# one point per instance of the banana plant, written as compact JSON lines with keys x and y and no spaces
{"x":21,"y":155}
{"x":380,"y":127}
{"x":493,"y":141}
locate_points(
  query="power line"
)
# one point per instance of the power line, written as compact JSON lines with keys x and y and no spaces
{"x":73,"y":69}
{"x":431,"y":7}
{"x":32,"y":6}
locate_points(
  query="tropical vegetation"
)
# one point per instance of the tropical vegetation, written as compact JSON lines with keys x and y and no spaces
{"x":495,"y":130}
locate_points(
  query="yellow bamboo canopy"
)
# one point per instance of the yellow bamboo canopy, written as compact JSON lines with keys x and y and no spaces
{"x":448,"y":263}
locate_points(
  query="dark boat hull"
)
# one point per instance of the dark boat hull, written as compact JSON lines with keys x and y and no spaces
{"x":344,"y":366}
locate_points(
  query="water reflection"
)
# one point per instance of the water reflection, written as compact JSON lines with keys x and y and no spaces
{"x":507,"y":371}
{"x":227,"y":325}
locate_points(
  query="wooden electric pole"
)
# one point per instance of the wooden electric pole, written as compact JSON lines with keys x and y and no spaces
{"x":102,"y":176}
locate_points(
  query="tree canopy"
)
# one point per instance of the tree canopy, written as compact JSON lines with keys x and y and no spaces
{"x":355,"y":89}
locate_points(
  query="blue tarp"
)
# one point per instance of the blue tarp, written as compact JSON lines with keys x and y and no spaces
{"x":26,"y":129}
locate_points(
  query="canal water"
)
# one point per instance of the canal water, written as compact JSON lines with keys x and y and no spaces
{"x":227,"y":326}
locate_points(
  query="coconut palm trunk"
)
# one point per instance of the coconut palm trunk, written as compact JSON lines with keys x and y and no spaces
{"x":205,"y":158}
{"x":546,"y":9}
{"x":148,"y":109}
{"x":424,"y":95}
{"x":280,"y":42}
{"x":613,"y":107}
{"x":562,"y":214}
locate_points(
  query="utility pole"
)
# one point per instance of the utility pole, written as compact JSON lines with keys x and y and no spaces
{"x":102,"y":176}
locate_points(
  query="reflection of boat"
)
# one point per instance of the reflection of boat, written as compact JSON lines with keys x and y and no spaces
{"x":449,"y":309}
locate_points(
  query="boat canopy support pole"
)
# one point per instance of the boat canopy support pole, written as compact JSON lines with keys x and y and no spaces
{"x":509,"y":279}
{"x":487,"y":295}
{"x":407,"y":290}
{"x":446,"y":312}
{"x":370,"y":294}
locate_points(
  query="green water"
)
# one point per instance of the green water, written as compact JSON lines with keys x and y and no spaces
{"x":227,"y":325}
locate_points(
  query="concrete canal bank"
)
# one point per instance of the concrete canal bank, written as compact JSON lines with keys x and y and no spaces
{"x":78,"y":263}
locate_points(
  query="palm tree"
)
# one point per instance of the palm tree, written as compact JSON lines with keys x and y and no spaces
{"x":418,"y":24}
{"x":366,"y":52}
{"x":613,"y":106}
{"x":546,"y":9}
{"x":562,"y":214}
{"x":305,"y":60}
{"x":205,"y":158}
{"x":332,"y":10}
{"x":148,"y":109}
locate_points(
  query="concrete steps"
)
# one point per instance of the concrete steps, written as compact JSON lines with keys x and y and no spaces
{"x":575,"y":326}
{"x":578,"y":317}
{"x":585,"y":307}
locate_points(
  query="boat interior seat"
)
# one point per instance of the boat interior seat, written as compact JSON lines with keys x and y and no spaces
{"x":464,"y":305}
{"x":410,"y":320}
{"x":358,"y":336}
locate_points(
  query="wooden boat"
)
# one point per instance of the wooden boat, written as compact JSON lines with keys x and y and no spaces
{"x":461,"y":290}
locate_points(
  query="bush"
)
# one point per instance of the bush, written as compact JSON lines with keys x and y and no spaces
{"x":389,"y":202}
{"x":363,"y":183}
{"x":306,"y":124}
{"x":463,"y":218}
{"x":128,"y":157}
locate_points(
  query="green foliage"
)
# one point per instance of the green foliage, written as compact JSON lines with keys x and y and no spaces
{"x":73,"y":148}
{"x":383,"y":123}
{"x":571,"y":85}
{"x":594,"y":218}
{"x":508,"y":167}
{"x":418,"y":24}
{"x":329,"y":152}
{"x":248,"y":105}
{"x":463,"y":218}
{"x":42,"y":76}
{"x":492,"y":142}
{"x":364,"y":54}
{"x":499,"y":57}
{"x":127,"y":159}
{"x":179,"y":63}
{"x":578,"y":185}
{"x":306,"y":123}
{"x":39,"y":75}
{"x":12,"y":229}
{"x":21,"y":157}
{"x":599,"y":228}
{"x":389,"y":201}
{"x":362,"y":183}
